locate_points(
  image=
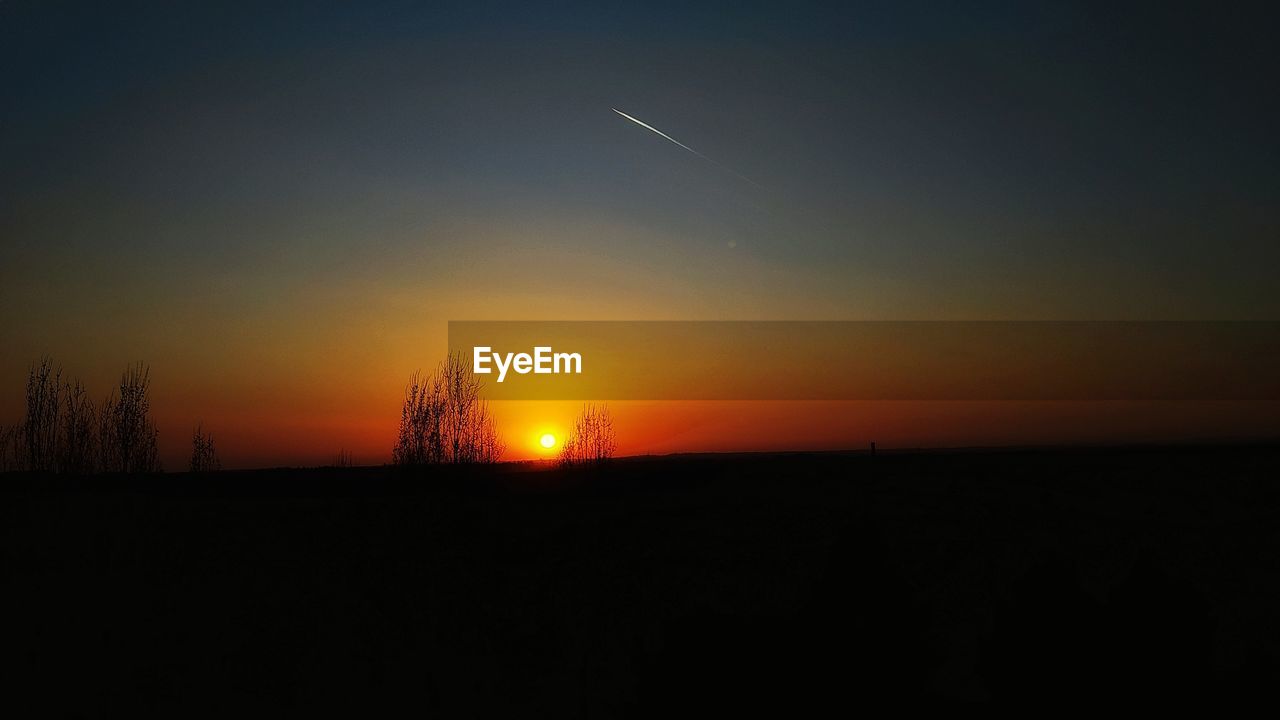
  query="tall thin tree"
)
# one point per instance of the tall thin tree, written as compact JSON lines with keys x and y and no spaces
{"x":204,"y":455}
{"x":77,"y":451}
{"x":40,"y":428}
{"x":128,"y":437}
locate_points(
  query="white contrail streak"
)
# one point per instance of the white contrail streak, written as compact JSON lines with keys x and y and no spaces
{"x":647,"y":126}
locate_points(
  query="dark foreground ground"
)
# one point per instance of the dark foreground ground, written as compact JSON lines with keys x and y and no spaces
{"x":780,"y":582}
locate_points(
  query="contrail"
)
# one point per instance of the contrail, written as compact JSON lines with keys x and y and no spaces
{"x":647,"y":126}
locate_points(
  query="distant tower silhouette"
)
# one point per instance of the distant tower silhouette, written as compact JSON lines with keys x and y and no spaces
{"x":873,"y":447}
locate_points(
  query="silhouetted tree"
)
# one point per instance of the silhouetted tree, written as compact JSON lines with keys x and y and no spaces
{"x":486,"y":445}
{"x":77,"y":446}
{"x":40,"y":428}
{"x":11,"y":448}
{"x":64,"y":432}
{"x":344,"y":459}
{"x":127,"y":436}
{"x":421,"y":417}
{"x":204,"y":456}
{"x":444,"y":420}
{"x":58,"y":432}
{"x":592,"y":439}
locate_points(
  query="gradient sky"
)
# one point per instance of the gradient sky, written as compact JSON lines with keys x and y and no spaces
{"x":279,"y":209}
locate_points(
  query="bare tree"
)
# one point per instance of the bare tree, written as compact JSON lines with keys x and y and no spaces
{"x":204,"y":456}
{"x":421,"y":421}
{"x":108,"y":455}
{"x":64,"y":432}
{"x":77,"y":451}
{"x":127,"y":436}
{"x":40,"y":428}
{"x":344,"y":459}
{"x":486,"y":445}
{"x":444,"y":420}
{"x":592,"y":439}
{"x":11,"y":448}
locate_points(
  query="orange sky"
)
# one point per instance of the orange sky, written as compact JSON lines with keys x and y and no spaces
{"x":666,"y":427}
{"x":335,"y":383}
{"x":275,"y":438}
{"x":280,"y":215}
{"x":294,"y":368}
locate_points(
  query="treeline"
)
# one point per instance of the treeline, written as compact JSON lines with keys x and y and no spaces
{"x":64,"y":431}
{"x":444,"y":420}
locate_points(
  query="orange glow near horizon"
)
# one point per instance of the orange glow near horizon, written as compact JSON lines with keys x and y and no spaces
{"x":657,"y":427}
{"x":288,"y":427}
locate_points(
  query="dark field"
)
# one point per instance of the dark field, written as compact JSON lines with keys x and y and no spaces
{"x":720,"y":583}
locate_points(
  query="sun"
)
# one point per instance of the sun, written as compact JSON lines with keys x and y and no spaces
{"x":547,"y":441}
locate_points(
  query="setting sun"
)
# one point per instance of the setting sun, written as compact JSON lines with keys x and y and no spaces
{"x":547,"y":441}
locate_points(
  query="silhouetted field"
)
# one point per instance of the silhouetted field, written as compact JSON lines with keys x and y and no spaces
{"x":716,"y":583}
